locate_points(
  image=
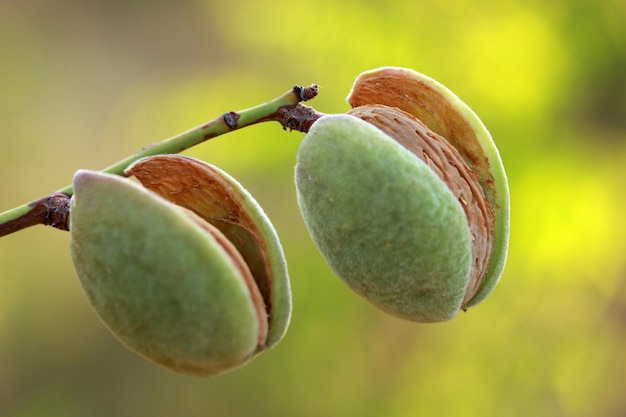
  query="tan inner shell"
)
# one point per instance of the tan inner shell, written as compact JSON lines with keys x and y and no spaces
{"x":448,"y":164}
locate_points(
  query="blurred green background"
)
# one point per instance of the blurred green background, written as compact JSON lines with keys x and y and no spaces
{"x":84,"y":83}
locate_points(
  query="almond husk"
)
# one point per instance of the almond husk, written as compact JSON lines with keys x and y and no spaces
{"x":448,"y":164}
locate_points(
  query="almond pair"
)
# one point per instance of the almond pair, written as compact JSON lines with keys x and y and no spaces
{"x":405,"y":196}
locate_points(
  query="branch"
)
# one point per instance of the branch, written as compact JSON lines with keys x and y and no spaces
{"x":53,"y":209}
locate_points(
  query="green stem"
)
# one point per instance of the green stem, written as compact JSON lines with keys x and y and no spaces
{"x":284,"y":109}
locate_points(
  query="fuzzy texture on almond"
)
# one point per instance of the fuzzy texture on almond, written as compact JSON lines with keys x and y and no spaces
{"x":163,"y":285}
{"x":383,"y":220}
{"x":448,"y":164}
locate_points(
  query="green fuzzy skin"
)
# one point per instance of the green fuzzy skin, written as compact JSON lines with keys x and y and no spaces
{"x":157,"y":280}
{"x":383,"y":220}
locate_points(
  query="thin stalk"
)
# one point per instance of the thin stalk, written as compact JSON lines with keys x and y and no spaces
{"x":53,"y":209}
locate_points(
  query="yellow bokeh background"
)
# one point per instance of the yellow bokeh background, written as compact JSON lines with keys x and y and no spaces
{"x":83,"y":84}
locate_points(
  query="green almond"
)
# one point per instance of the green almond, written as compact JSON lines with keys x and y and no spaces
{"x":383,"y":220}
{"x":165,"y":282}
